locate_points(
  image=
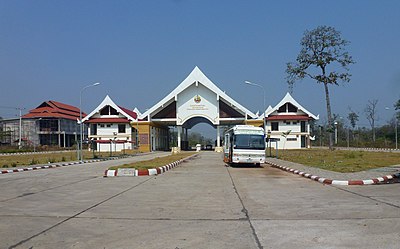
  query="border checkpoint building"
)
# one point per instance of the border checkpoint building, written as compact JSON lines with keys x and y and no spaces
{"x":195,"y":100}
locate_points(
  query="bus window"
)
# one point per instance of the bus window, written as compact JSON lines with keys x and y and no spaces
{"x":244,"y":141}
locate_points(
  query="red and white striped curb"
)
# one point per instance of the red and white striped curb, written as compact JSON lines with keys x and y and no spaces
{"x":144,"y":172}
{"x":45,"y":167}
{"x":50,"y":166}
{"x":336,"y":182}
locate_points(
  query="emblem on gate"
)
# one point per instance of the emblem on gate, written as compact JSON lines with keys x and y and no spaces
{"x":197,"y":99}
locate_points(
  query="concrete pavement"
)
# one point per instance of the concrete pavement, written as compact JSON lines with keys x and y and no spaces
{"x":201,"y":204}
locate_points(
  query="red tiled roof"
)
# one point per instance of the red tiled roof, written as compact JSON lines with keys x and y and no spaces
{"x":54,"y":109}
{"x":108,"y":120}
{"x":289,"y":117}
{"x":64,"y":106}
{"x":129,"y":112}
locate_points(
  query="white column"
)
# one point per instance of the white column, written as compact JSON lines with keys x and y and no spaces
{"x":218,"y":137}
{"x":179,"y":128}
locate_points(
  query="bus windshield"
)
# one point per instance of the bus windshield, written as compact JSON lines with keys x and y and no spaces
{"x":247,"y":141}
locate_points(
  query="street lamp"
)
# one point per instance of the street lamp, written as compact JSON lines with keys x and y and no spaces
{"x":395,"y":124}
{"x":80,"y":119}
{"x":264,"y":108}
{"x":336,"y":132}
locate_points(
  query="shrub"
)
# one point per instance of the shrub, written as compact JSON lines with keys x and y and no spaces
{"x":350,"y":155}
{"x":13,"y":165}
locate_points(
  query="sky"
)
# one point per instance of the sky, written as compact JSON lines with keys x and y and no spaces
{"x":141,"y":50}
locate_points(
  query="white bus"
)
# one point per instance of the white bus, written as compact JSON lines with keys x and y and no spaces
{"x":244,"y":144}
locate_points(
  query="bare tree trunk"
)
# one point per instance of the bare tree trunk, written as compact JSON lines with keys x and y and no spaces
{"x":373,"y":131}
{"x":328,"y":110}
{"x":370,"y":111}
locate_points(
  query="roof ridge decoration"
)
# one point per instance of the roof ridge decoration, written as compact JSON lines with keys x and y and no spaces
{"x":108,"y":101}
{"x":197,"y":76}
{"x":289,"y":99}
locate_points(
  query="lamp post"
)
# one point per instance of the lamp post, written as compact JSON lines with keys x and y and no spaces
{"x":264,"y":109}
{"x":80,"y":119}
{"x":257,"y":85}
{"x":395,"y":128}
{"x":336,"y":132}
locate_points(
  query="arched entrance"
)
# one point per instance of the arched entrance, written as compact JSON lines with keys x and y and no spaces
{"x":188,"y":125}
{"x":196,"y":100}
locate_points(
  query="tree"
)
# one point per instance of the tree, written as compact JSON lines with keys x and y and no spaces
{"x":370,"y":113}
{"x":397,"y":108}
{"x":353,"y":118}
{"x":320,"y":48}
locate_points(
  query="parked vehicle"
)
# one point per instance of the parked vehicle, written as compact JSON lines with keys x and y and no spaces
{"x":244,"y":144}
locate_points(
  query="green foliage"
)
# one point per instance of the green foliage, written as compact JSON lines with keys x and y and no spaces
{"x":321,"y":47}
{"x":34,"y":162}
{"x":397,"y":107}
{"x":353,"y":118}
{"x":196,"y":138}
{"x":358,"y":137}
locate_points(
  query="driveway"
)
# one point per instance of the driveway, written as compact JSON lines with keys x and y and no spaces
{"x":200,"y":204}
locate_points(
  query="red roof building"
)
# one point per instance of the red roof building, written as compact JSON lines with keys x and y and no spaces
{"x":109,"y":127}
{"x":52,"y":123}
{"x":289,"y":123}
{"x":54,"y":109}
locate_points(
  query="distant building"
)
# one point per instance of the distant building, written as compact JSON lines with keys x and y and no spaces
{"x":289,"y":123}
{"x":111,"y":127}
{"x":51,"y":123}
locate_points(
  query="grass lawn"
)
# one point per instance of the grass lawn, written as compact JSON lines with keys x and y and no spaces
{"x":22,"y":160}
{"x":341,"y":160}
{"x":156,"y":162}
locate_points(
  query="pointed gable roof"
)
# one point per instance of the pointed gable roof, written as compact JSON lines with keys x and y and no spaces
{"x":197,"y":77}
{"x":107,"y":101}
{"x":289,"y":99}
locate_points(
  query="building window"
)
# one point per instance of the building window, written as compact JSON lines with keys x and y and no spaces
{"x":291,"y":139}
{"x":295,"y":122}
{"x":287,"y":122}
{"x":102,"y":125}
{"x":282,"y":109}
{"x":93,"y":130}
{"x":274,"y":126}
{"x":121,"y":128}
{"x":302,"y":126}
{"x":108,"y":125}
{"x":287,"y":107}
{"x":108,"y":110}
{"x":291,"y":108}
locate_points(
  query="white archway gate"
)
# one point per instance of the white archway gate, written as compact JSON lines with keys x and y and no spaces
{"x":195,"y":100}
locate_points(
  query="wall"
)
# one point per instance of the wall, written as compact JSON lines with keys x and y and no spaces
{"x":294,"y":134}
{"x":207,"y":106}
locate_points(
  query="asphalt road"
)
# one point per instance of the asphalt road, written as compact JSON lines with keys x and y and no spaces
{"x":200,"y":204}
